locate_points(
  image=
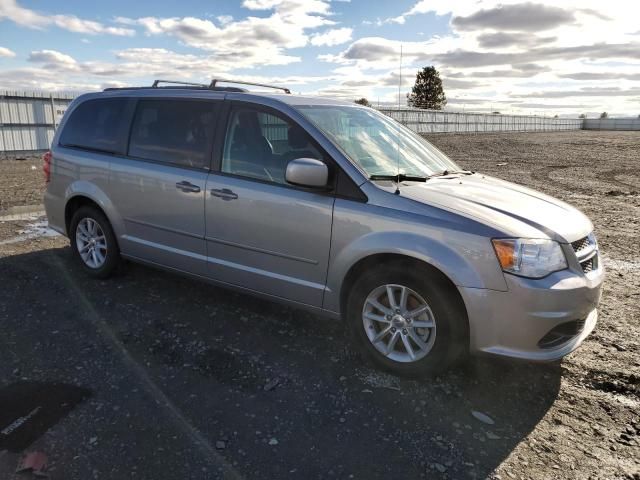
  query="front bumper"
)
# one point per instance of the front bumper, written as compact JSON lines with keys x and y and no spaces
{"x":514,"y":322}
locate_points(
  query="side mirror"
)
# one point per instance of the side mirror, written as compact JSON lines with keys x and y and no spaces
{"x":307,"y":172}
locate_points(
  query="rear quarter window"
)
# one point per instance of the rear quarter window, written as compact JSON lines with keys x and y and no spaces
{"x":100,"y":125}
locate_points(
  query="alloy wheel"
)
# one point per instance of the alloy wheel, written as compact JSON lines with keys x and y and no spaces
{"x":399,"y":323}
{"x":91,"y":243}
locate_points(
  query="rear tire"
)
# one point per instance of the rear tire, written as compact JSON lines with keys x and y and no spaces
{"x":93,"y":242}
{"x":430,"y":326}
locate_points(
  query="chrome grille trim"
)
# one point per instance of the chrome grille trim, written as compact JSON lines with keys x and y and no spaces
{"x":580,"y":244}
{"x":586,"y":250}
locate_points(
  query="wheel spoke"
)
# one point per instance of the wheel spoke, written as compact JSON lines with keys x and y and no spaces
{"x":383,"y":333}
{"x":377,"y":318}
{"x":423,"y":324}
{"x":416,"y":338}
{"x":378,"y":306}
{"x":392,"y":342}
{"x":84,"y":248}
{"x":83,"y":230}
{"x":391,"y":297}
{"x":417,"y":312}
{"x":404,"y":295}
{"x":100,"y":257}
{"x":408,"y":347}
{"x":94,"y":258}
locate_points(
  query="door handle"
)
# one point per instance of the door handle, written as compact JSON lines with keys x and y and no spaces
{"x":187,"y":187}
{"x":224,"y":194}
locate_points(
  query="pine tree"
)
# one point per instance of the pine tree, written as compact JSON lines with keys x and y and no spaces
{"x":427,"y":91}
{"x":363,"y":101}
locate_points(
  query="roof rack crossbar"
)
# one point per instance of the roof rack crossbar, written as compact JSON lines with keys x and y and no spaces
{"x":176,"y":82}
{"x":215,"y":81}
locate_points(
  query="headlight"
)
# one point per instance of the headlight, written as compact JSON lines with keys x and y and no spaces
{"x":531,"y":258}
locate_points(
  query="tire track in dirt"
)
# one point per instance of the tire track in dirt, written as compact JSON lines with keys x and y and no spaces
{"x":545,"y":175}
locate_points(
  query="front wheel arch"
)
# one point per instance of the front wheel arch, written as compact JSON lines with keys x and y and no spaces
{"x":376,"y":260}
{"x":444,"y":302}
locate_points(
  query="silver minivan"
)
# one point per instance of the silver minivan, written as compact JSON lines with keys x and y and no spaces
{"x":328,"y":206}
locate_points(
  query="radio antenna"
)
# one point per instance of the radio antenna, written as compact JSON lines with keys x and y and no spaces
{"x":397,"y":192}
{"x":400,"y":78}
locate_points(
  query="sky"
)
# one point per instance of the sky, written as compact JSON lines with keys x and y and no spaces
{"x":538,"y":57}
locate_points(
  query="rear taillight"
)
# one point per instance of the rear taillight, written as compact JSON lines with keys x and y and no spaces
{"x":46,"y":166}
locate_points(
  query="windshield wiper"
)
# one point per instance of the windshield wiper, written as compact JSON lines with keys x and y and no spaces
{"x":451,"y":172}
{"x":400,"y":177}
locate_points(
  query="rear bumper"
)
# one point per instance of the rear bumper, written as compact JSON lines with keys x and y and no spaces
{"x":54,"y":208}
{"x":514,"y":322}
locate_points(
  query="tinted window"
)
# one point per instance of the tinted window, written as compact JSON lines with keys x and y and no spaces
{"x":178,"y":132}
{"x":98,"y":125}
{"x":259,"y":145}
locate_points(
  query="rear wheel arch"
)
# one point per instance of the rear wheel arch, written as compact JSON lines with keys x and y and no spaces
{"x":75,"y":203}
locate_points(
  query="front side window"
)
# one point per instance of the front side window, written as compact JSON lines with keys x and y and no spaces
{"x":378,"y":144}
{"x":98,"y":125}
{"x":177,"y":132}
{"x":260,"y":145}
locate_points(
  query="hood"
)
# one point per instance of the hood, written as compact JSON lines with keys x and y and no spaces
{"x":517,"y":211}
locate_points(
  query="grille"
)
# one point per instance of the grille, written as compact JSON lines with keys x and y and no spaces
{"x":584,"y":250}
{"x":580,"y":244}
{"x":561,"y":333}
{"x":589,"y":265}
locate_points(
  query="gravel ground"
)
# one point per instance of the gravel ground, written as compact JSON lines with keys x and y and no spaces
{"x":192,"y":381}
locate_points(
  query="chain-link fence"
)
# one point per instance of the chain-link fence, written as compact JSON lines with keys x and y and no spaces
{"x":438,"y":121}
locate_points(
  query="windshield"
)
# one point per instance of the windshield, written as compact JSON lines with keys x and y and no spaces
{"x":378,"y":144}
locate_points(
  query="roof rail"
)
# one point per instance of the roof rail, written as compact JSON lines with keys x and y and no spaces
{"x":176,"y":82}
{"x":215,"y":81}
{"x":212,"y":86}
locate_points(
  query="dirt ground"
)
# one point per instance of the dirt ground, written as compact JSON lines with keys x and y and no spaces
{"x":192,"y":381}
{"x":21,"y":181}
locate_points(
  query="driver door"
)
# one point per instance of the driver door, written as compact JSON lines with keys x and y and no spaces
{"x":262,"y":233}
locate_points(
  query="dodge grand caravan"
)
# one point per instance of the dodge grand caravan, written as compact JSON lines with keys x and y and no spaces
{"x":327,"y":206}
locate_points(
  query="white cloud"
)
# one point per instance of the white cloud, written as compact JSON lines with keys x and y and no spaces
{"x":6,"y":53}
{"x":332,"y":37}
{"x":51,"y":57}
{"x":496,"y":52}
{"x":10,"y":10}
{"x":224,"y":19}
{"x":252,"y":41}
{"x":580,"y":49}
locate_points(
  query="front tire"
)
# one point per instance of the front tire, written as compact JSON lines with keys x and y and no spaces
{"x":407,"y":319}
{"x":93,"y":242}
